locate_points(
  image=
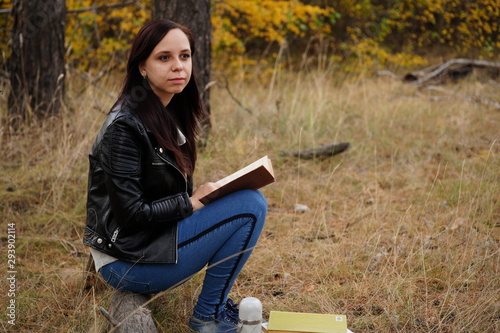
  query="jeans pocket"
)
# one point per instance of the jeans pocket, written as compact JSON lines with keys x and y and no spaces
{"x":119,"y":282}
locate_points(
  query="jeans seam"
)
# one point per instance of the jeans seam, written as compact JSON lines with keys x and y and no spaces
{"x":253,"y":223}
{"x":216,"y":226}
{"x":245,"y":245}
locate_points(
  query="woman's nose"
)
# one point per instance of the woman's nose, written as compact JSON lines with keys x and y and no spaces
{"x":177,"y":65}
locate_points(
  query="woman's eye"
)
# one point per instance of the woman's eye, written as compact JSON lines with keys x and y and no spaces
{"x":164,"y":57}
{"x":185,"y":56}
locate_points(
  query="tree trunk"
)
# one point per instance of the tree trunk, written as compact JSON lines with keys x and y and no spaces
{"x":128,"y":315}
{"x":195,"y":14}
{"x":36,"y":64}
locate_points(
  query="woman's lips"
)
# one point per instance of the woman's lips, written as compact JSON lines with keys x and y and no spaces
{"x":178,"y":80}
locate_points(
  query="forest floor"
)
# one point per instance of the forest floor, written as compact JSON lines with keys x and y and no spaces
{"x":400,"y":233}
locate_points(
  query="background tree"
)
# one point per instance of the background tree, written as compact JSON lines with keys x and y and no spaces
{"x":36,"y":64}
{"x":194,"y":14}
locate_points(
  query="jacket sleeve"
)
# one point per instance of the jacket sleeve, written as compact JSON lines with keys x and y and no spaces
{"x":121,"y":156}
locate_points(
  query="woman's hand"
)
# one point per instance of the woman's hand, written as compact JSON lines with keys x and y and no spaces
{"x":200,"y":192}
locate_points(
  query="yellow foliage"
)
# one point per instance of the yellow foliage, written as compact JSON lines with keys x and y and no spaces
{"x":5,"y":21}
{"x":370,"y":32}
{"x":369,"y":55}
{"x":93,"y":38}
{"x":239,"y":27}
{"x":463,"y":25}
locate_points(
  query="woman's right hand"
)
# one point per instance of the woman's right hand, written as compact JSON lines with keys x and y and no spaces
{"x":200,"y":192}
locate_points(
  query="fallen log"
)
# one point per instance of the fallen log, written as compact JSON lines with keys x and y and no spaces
{"x":129,"y":314}
{"x":322,"y":151}
{"x":452,"y":69}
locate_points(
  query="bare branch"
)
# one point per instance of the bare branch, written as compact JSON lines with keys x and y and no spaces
{"x":83,"y":10}
{"x":94,"y":8}
{"x":226,"y":86}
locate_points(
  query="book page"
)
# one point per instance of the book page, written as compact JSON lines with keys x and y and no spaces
{"x":262,"y":161}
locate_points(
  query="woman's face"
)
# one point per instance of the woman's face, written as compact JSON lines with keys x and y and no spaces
{"x":168,"y":67}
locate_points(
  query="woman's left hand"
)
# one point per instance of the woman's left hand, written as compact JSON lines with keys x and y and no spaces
{"x":200,"y":192}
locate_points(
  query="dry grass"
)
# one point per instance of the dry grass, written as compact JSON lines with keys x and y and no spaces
{"x":402,"y":232}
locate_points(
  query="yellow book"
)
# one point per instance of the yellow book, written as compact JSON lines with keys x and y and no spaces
{"x":295,"y":322}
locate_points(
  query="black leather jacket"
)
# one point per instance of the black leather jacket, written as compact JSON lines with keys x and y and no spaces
{"x":136,"y":193}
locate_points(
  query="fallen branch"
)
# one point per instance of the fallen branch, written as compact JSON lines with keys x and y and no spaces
{"x":455,"y":68}
{"x":388,"y":73}
{"x":108,"y":317}
{"x":322,"y":151}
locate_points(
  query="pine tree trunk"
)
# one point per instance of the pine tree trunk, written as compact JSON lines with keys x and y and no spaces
{"x":195,"y":14}
{"x":36,"y":65}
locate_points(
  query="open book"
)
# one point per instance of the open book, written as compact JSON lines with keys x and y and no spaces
{"x":252,"y":177}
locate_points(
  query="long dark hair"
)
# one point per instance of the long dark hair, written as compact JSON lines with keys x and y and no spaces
{"x":185,"y":110}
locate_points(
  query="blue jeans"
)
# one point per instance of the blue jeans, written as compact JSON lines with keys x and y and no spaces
{"x":221,"y":235}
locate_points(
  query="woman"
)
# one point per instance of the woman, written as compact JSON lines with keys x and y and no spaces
{"x":146,"y":227}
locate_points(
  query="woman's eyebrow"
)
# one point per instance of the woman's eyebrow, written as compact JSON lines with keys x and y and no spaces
{"x":167,"y":51}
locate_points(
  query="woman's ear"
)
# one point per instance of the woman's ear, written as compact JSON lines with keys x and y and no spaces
{"x":142,"y":69}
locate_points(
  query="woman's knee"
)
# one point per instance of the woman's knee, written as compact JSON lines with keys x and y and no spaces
{"x":254,"y":201}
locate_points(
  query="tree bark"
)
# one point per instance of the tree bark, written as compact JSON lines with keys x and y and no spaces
{"x":36,"y":65}
{"x":195,"y":14}
{"x":128,"y":314}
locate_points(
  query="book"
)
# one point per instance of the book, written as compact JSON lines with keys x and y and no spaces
{"x":252,"y":177}
{"x":296,"y":322}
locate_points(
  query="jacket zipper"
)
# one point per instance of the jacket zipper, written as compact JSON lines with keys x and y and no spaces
{"x":115,"y":235}
{"x":186,"y":187}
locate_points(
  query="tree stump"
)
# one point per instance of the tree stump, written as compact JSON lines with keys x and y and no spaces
{"x":128,"y":314}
